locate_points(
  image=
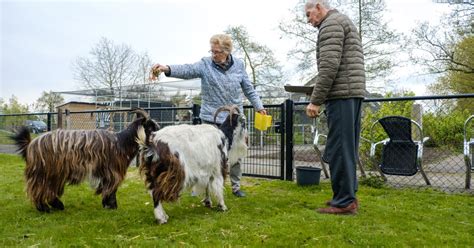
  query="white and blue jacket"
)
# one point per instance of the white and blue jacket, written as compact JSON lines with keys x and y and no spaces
{"x":219,"y":86}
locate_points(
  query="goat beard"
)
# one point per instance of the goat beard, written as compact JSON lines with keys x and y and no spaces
{"x":239,"y":147}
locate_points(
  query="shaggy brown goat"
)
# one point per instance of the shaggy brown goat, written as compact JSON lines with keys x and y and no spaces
{"x":70,"y":156}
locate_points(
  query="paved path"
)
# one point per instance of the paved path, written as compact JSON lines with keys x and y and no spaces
{"x":10,"y":149}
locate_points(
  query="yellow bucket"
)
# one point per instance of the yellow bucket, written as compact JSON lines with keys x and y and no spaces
{"x":262,"y":122}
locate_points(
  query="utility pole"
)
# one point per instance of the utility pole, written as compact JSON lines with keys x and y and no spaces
{"x":360,"y":19}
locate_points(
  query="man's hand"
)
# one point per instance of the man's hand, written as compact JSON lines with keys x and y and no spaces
{"x":312,"y":110}
{"x":263,"y":111}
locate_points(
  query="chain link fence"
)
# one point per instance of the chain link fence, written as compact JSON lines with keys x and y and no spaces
{"x":429,"y":149}
{"x":435,"y":155}
{"x":36,"y":123}
{"x":265,"y":157}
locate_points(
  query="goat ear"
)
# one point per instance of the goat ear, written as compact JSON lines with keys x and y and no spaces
{"x":150,"y":154}
{"x":243,"y":120}
{"x":152,"y":125}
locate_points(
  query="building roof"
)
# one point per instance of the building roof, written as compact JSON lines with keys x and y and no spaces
{"x":77,"y":102}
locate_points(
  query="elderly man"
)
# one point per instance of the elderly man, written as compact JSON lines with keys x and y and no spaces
{"x":340,"y":86}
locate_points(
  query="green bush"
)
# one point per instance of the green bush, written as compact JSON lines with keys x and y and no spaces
{"x":373,"y":181}
{"x":445,"y":130}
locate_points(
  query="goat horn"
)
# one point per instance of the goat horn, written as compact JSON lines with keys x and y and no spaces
{"x":142,"y":112}
{"x":232,"y":110}
{"x":223,"y":108}
{"x":235,"y":108}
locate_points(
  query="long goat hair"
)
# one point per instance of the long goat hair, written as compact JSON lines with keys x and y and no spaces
{"x":62,"y":157}
{"x":179,"y":157}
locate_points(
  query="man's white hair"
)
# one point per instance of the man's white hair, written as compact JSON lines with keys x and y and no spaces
{"x":312,"y":3}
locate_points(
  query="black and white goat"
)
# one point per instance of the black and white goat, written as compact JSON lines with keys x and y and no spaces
{"x":180,"y":157}
{"x":64,"y":157}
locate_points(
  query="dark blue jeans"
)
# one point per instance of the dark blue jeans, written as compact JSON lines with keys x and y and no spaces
{"x":342,"y":148}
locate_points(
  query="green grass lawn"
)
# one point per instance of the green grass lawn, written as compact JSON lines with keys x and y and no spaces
{"x":5,"y":137}
{"x":274,"y":214}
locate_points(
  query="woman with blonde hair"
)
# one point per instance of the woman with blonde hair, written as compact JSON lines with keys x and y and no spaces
{"x":223,"y":80}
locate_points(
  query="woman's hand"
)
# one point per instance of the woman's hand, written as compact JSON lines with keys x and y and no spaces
{"x":157,"y":69}
{"x":262,"y":111}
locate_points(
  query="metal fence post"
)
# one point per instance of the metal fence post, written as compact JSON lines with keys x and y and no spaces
{"x":196,"y":111}
{"x":48,"y":122}
{"x":279,"y":128}
{"x":68,"y":119}
{"x":60,"y":118}
{"x":288,"y":126}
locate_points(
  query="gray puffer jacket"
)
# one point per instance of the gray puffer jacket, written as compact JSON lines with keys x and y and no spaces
{"x":340,"y":60}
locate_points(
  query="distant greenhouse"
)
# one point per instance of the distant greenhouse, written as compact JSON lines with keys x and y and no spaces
{"x":140,"y":95}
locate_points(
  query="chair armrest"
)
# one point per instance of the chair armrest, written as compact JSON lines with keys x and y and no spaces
{"x":421,"y":142}
{"x":467,"y":145}
{"x":374,"y":145}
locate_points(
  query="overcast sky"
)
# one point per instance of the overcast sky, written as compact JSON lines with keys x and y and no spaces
{"x":40,"y":39}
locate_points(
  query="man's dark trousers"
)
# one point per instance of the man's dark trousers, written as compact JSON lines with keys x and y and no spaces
{"x":342,"y":147}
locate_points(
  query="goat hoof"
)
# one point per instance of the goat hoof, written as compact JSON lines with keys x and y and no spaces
{"x":206,"y":203}
{"x":161,"y":222}
{"x":110,"y":206}
{"x":222,"y":208}
{"x":163,"y":219}
{"x":57,"y":204}
{"x":43,"y":208}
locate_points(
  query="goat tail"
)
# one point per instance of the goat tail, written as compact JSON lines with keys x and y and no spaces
{"x":22,"y":139}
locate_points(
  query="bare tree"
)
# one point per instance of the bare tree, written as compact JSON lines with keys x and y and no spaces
{"x":111,"y":66}
{"x":462,"y":16}
{"x":143,"y":70}
{"x":435,"y":50}
{"x":435,"y":47}
{"x":305,"y":38}
{"x":48,"y":101}
{"x":380,"y":43}
{"x":265,"y":70}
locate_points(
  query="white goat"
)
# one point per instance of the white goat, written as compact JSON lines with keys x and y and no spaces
{"x":180,"y":157}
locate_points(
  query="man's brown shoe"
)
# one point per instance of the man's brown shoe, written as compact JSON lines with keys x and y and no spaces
{"x":328,"y":203}
{"x":351,"y":209}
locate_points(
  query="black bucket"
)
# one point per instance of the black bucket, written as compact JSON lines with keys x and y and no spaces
{"x":307,"y":175}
